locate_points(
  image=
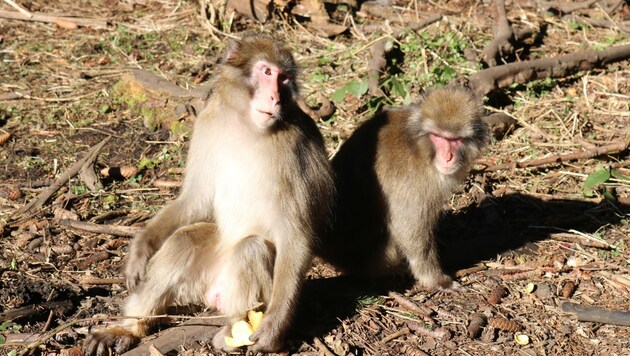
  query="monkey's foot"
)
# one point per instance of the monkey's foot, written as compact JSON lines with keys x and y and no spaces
{"x":455,"y":287}
{"x":103,"y":343}
{"x":267,"y":338}
{"x":218,"y":341}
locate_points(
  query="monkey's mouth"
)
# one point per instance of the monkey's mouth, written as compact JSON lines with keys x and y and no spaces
{"x":264,"y":112}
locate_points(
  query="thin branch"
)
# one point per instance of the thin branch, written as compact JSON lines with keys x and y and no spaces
{"x":19,"y":8}
{"x":41,"y":199}
{"x":125,"y":231}
{"x":40,"y":17}
{"x":598,"y":151}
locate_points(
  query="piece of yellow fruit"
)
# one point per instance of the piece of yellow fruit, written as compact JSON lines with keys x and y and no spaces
{"x":255,"y":318}
{"x":241,"y":331}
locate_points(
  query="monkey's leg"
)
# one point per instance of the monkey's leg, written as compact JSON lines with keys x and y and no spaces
{"x":419,"y":248}
{"x":246,"y":280}
{"x":173,"y":274}
{"x":291,"y":264}
{"x":151,"y":238}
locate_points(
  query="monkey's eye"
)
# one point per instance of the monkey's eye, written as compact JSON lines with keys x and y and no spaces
{"x":267,"y":70}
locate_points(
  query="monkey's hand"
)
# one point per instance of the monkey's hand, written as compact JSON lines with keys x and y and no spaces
{"x":103,"y":343}
{"x":139,"y":253}
{"x":269,"y":337}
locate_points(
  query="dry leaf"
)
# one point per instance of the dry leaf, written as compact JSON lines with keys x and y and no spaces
{"x":69,"y":25}
{"x":4,"y":138}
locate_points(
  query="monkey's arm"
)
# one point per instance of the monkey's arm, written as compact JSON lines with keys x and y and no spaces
{"x":151,"y":238}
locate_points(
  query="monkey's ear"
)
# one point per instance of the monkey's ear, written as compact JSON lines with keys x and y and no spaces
{"x":230,"y":52}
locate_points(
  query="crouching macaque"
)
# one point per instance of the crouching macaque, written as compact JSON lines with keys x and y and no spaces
{"x":259,"y":187}
{"x":393,"y":176}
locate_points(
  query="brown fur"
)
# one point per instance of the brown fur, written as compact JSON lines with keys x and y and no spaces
{"x":390,"y":195}
{"x":259,"y":196}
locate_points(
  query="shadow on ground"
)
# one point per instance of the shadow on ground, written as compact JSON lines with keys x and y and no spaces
{"x":474,"y":234}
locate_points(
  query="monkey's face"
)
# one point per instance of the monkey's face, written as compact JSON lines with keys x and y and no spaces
{"x":270,"y":85}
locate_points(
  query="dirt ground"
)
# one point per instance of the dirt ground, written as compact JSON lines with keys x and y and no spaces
{"x":523,"y":241}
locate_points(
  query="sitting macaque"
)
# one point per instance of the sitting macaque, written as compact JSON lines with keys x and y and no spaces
{"x":257,"y":191}
{"x":393,"y":176}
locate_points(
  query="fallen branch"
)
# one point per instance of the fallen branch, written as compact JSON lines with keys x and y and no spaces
{"x":598,"y":151}
{"x":379,"y":50}
{"x":59,"y":20}
{"x":490,"y":79}
{"x":41,"y":199}
{"x":125,"y":231}
{"x":59,"y":307}
{"x":597,"y":314}
{"x":187,"y":335}
{"x":503,"y":37}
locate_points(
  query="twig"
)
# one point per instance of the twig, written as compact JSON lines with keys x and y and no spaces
{"x":53,"y":100}
{"x":19,"y":8}
{"x":597,"y":314}
{"x":125,"y":231}
{"x":409,"y":305}
{"x":490,"y":79}
{"x":322,"y":347}
{"x":63,"y":179}
{"x":439,"y":333}
{"x":39,"y":17}
{"x":100,"y":281}
{"x":598,"y":151}
{"x":390,"y":337}
{"x":468,"y":271}
{"x":568,"y":237}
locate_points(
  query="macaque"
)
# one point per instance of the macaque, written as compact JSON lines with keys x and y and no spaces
{"x":258,"y":189}
{"x":393,"y":176}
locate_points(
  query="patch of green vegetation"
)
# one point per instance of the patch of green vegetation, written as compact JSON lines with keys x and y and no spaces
{"x":109,"y":201}
{"x":151,"y":163}
{"x":355,"y":87}
{"x":540,"y":88}
{"x":609,"y":40}
{"x":78,"y":189}
{"x":368,"y":301}
{"x":595,"y":182}
{"x":179,"y":130}
{"x":11,"y":327}
{"x":127,"y":41}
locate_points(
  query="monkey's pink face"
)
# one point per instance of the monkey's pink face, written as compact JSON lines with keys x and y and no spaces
{"x":447,"y":153}
{"x":268,"y":81}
